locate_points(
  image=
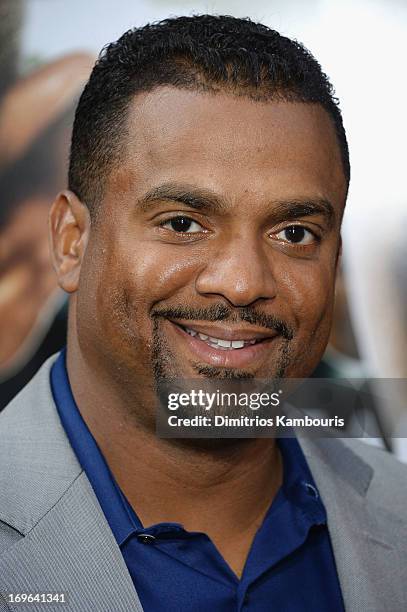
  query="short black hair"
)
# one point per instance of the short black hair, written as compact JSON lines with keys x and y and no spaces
{"x":202,"y":52}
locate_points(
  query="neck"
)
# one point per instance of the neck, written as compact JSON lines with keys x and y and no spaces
{"x":222,"y":490}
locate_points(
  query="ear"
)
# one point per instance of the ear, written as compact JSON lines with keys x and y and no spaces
{"x":69,"y":227}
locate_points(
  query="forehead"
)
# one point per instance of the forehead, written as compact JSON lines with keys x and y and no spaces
{"x":230,"y":143}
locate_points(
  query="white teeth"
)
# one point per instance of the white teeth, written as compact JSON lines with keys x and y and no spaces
{"x":218,"y":342}
{"x":225,"y":343}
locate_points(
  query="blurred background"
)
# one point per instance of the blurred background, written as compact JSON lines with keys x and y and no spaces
{"x":47,"y":49}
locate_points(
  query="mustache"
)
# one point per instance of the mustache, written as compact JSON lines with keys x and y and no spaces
{"x":221,"y":312}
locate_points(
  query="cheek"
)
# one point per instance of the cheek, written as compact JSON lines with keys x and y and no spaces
{"x":144,"y":274}
{"x":311,"y":296}
{"x":308,"y":290}
{"x":160,"y":272}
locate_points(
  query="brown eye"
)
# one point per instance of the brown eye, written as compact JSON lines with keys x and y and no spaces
{"x":183,"y":225}
{"x":296,"y":234}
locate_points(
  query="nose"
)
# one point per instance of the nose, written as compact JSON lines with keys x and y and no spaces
{"x":241,"y":272}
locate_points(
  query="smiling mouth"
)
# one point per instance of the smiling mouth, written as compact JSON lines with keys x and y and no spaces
{"x":220,"y":343}
{"x":227,"y":339}
{"x":224,"y":345}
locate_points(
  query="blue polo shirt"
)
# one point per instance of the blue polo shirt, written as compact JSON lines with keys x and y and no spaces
{"x":290,"y":566}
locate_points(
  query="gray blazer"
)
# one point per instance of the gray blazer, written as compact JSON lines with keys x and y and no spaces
{"x":55,"y":538}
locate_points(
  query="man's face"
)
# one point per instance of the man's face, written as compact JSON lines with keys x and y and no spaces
{"x":215,"y":251}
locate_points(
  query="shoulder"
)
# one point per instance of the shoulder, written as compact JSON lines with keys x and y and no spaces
{"x":37,"y":392}
{"x":37,"y":463}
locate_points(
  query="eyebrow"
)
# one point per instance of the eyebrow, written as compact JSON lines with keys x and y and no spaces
{"x":197,"y":198}
{"x":295,"y":209}
{"x":205,"y":200}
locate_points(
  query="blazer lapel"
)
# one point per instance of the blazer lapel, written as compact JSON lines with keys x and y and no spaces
{"x":73,"y":551}
{"x":370,"y":560}
{"x":66,"y":544}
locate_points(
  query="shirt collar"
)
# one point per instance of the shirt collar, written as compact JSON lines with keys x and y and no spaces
{"x":298,"y":484}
